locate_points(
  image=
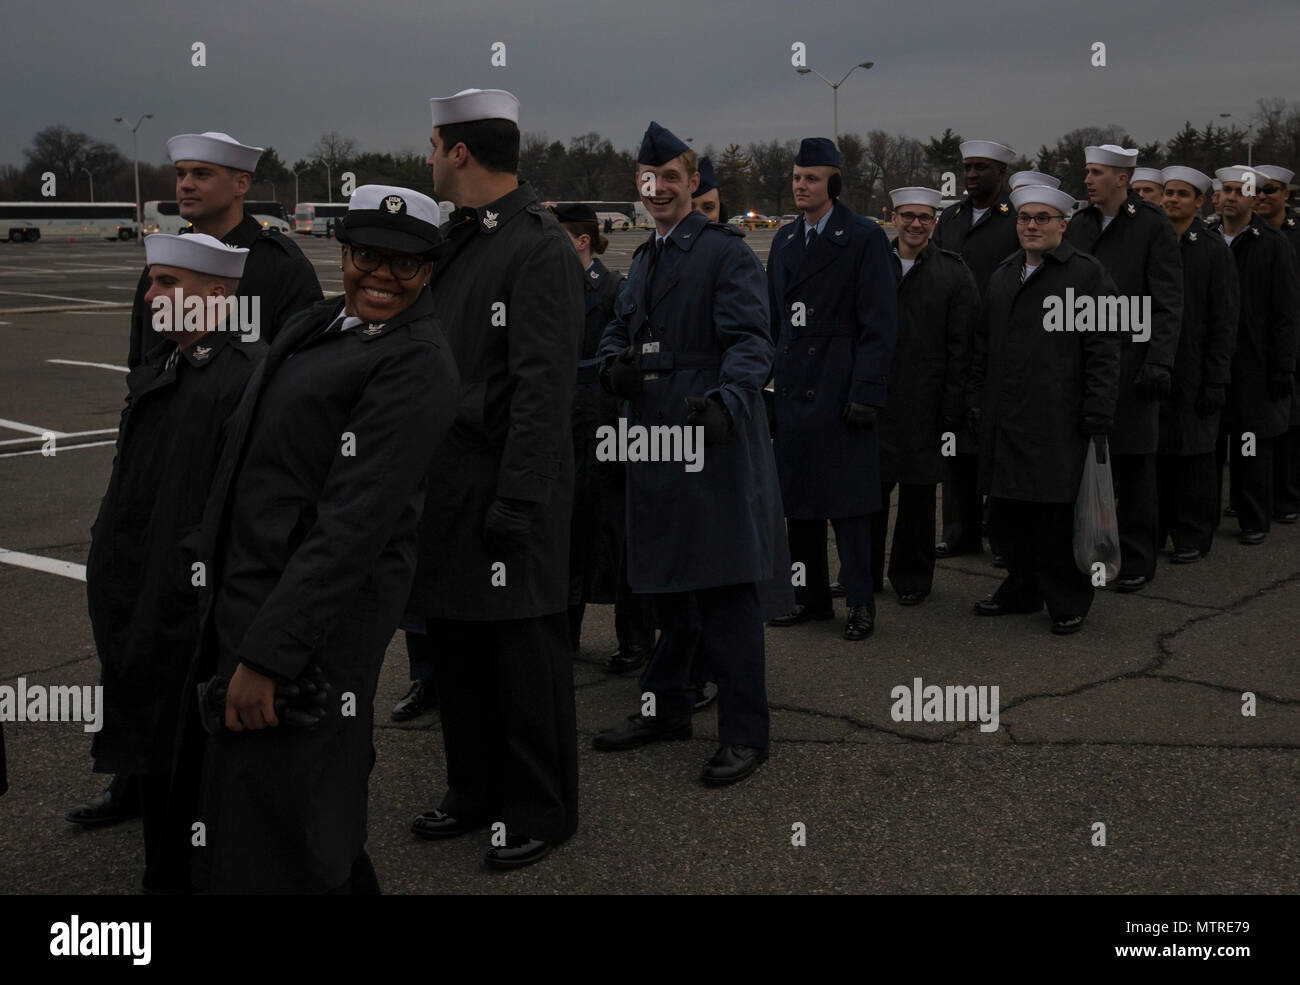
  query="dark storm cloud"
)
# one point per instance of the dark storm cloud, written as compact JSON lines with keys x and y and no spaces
{"x":283,"y":73}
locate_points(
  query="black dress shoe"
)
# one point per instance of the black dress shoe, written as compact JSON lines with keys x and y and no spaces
{"x":837,"y":590}
{"x":943,"y":549}
{"x":1286,"y":517}
{"x":999,"y":561}
{"x":1252,"y":537}
{"x":422,"y":697}
{"x":1189,"y":556}
{"x":436,"y":825}
{"x":518,"y":851}
{"x":1230,"y":511}
{"x":119,"y":802}
{"x":1067,"y":625}
{"x":627,"y":658}
{"x":987,"y":607}
{"x":638,"y":730}
{"x":705,"y":695}
{"x":801,"y":614}
{"x":862,"y":622}
{"x":912,"y":598}
{"x":731,"y":764}
{"x":1134,"y":584}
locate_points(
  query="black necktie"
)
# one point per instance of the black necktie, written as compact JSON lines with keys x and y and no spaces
{"x":812,"y":238}
{"x":656,"y":253}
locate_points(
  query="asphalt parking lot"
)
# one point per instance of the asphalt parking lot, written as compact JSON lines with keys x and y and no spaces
{"x":1136,"y":723}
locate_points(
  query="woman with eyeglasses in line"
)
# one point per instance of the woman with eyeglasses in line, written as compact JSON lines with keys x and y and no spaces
{"x":310,"y":541}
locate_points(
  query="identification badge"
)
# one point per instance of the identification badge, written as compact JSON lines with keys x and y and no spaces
{"x":648,"y":348}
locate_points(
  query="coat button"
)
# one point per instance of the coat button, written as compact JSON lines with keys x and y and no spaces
{"x":812,"y":350}
{"x":659,"y":415}
{"x":809,"y":394}
{"x":810,"y":311}
{"x":785,"y":391}
{"x":786,"y":350}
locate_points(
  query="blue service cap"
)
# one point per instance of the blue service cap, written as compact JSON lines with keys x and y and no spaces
{"x":817,"y":152}
{"x":659,"y":146}
{"x":708,"y":181}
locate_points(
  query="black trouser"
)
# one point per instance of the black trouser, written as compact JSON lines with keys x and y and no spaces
{"x":508,"y":723}
{"x":1037,"y":543}
{"x":166,"y":834}
{"x":808,"y":546}
{"x":634,"y":623}
{"x":1136,"y":509}
{"x":1250,"y":480}
{"x":1189,"y":502}
{"x":911,"y":552}
{"x":962,"y":512}
{"x":362,"y":880}
{"x":719,"y":630}
{"x":1286,"y":471}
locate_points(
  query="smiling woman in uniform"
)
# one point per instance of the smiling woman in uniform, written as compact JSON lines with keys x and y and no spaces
{"x":312,"y":523}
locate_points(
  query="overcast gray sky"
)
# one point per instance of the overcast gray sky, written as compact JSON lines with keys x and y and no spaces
{"x":282,"y":73}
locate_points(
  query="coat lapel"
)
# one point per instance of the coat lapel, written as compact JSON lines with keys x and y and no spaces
{"x":825,"y":248}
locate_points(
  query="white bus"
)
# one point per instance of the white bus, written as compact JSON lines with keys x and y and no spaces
{"x":26,"y":222}
{"x":165,"y":217}
{"x":622,"y":215}
{"x":317,"y":218}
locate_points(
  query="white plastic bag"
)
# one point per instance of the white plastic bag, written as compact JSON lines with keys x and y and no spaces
{"x":1096,"y":531}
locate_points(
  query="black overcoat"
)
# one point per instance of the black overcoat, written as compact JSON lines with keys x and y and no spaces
{"x":311,"y":532}
{"x":139,"y":585}
{"x":1140,"y":252}
{"x":1033,"y":387}
{"x":1205,"y":342}
{"x":509,"y":290}
{"x":938,"y":304}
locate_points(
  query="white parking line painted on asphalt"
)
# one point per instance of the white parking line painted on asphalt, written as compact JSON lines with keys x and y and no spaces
{"x":59,"y":449}
{"x":56,"y":297}
{"x":49,"y":565}
{"x":15,"y":426}
{"x":78,"y":362}
{"x":70,"y":434}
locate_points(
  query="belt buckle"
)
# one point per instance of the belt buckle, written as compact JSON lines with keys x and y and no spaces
{"x":649,"y":348}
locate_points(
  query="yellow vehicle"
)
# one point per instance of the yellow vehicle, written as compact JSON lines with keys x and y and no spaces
{"x":755,"y":220}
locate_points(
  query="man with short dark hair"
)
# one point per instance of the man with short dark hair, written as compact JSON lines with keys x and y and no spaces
{"x":982,"y":229}
{"x":1189,"y":418}
{"x":1135,"y":242}
{"x":1264,"y":361}
{"x":492,"y":582}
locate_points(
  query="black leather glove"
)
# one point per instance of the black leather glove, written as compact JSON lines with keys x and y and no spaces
{"x":858,"y":415}
{"x":622,"y":377}
{"x":708,"y":412}
{"x":1210,"y":400}
{"x":974,"y":422}
{"x":508,"y":524}
{"x":303,"y":702}
{"x":1280,"y":385}
{"x":1094,"y":424}
{"x":1155,"y":382}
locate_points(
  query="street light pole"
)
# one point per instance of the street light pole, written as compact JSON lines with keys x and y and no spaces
{"x":92,"y":184}
{"x":835,"y":90}
{"x":329,"y":182}
{"x":139,"y":219}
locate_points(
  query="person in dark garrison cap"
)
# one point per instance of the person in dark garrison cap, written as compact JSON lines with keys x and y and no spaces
{"x":598,"y":535}
{"x":708,"y":197}
{"x":493,"y":580}
{"x":832,"y":288}
{"x":689,"y":350}
{"x":309,"y":539}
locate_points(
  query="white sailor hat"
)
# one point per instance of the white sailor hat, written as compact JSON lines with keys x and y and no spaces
{"x":990,"y":149}
{"x":1198,"y":180}
{"x":1021,"y":178}
{"x":914,"y":195}
{"x":1111,"y":155}
{"x":1238,"y":173}
{"x":391,"y":218}
{"x":195,"y":251}
{"x":474,"y":104}
{"x":1148,"y":174}
{"x":1283,"y":175}
{"x":1042,"y":195}
{"x":1216,"y":184}
{"x":214,"y":148}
